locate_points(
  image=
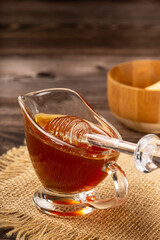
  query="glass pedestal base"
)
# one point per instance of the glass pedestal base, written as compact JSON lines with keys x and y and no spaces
{"x":53,"y":203}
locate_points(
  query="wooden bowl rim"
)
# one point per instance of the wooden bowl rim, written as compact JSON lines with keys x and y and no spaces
{"x":110,"y":77}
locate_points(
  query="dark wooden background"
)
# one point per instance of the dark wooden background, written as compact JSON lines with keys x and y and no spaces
{"x":71,"y":44}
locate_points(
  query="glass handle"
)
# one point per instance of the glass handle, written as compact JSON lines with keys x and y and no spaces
{"x":121,"y":186}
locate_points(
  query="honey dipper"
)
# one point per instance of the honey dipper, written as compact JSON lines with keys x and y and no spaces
{"x":74,"y":130}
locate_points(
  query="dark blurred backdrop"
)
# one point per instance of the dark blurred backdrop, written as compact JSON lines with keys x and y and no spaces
{"x":48,"y":27}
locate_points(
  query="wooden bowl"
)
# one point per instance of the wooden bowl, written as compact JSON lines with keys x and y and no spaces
{"x":134,"y":94}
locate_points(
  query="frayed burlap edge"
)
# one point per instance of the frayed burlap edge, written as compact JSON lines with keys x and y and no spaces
{"x":23,"y":228}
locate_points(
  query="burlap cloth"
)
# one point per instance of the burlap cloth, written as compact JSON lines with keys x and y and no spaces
{"x":138,"y":218}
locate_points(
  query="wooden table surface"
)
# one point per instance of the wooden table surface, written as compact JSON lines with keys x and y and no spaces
{"x":73,"y":44}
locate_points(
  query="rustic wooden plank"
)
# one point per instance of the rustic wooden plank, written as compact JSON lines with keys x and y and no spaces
{"x":33,"y":73}
{"x":39,"y":51}
{"x":79,"y":11}
{"x":35,"y":26}
{"x":82,"y":37}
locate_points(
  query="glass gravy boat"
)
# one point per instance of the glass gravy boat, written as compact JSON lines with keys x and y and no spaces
{"x":69,"y":173}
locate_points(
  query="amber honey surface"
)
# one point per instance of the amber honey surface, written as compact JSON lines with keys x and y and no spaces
{"x":61,"y":167}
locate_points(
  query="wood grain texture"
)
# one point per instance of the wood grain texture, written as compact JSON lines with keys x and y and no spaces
{"x":39,"y":27}
{"x":136,"y":107}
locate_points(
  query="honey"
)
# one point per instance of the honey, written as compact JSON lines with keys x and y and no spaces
{"x":61,"y":167}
